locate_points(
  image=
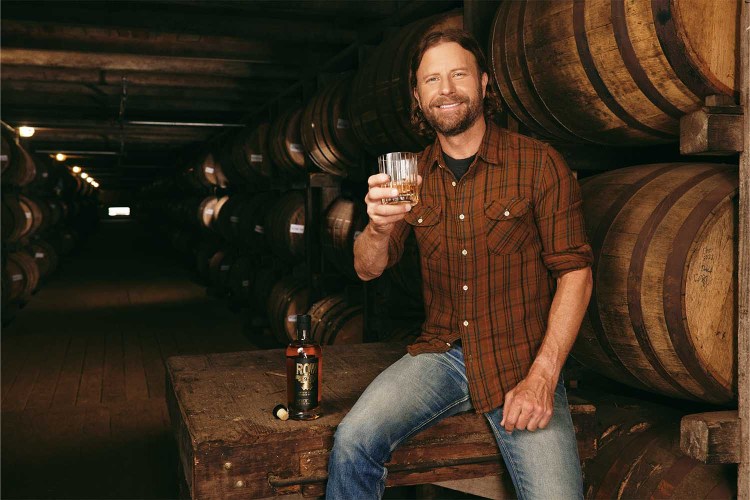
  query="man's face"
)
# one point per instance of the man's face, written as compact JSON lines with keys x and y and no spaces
{"x":450,"y":89}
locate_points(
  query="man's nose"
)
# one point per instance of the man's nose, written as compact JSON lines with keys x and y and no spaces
{"x":447,"y":86}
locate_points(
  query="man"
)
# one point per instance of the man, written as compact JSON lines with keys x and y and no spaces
{"x":506,"y":272}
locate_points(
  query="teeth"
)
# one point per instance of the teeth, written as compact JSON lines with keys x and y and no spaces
{"x":443,"y":106}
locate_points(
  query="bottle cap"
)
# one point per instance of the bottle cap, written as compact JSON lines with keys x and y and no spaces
{"x":280,"y":412}
{"x":303,"y":322}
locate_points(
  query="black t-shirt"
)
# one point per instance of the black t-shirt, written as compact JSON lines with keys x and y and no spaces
{"x":458,"y":167}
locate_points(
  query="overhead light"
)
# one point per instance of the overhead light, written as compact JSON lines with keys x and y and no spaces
{"x":95,"y":184}
{"x":84,"y":175}
{"x":90,"y":180}
{"x":60,"y":157}
{"x":76,"y":169}
{"x":26,"y":131}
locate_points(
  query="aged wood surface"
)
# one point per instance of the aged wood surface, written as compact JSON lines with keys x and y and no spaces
{"x":712,"y":438}
{"x":715,"y":131}
{"x":743,"y":299}
{"x":231,"y":446}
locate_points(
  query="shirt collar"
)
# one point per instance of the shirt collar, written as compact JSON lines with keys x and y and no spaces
{"x":488,"y":151}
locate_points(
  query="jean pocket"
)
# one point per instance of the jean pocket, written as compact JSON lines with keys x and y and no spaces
{"x":508,"y":227}
{"x":425,"y":220}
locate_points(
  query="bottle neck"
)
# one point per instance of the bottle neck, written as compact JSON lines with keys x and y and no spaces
{"x":303,"y":336}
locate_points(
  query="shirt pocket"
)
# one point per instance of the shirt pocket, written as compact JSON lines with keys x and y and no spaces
{"x":426,"y":223}
{"x":508,"y":228}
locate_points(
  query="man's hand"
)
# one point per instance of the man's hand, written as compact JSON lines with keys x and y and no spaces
{"x":384,"y":217}
{"x":528,"y":406}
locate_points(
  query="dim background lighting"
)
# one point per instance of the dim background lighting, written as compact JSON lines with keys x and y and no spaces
{"x":84,"y":175}
{"x":76,"y":169}
{"x":60,"y":157}
{"x":89,"y":180}
{"x":95,"y":184}
{"x":119,"y":211}
{"x":26,"y":131}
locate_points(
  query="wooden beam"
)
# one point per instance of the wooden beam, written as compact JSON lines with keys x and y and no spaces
{"x":154,"y":64}
{"x":13,"y":73}
{"x":55,"y":36}
{"x":184,"y":19}
{"x":711,"y":438}
{"x":743,"y":272}
{"x":715,"y":129}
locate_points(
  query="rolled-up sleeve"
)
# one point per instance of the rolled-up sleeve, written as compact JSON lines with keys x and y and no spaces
{"x":559,"y":217}
{"x":396,"y":242}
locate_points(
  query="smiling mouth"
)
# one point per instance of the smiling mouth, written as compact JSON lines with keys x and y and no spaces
{"x":449,"y":106}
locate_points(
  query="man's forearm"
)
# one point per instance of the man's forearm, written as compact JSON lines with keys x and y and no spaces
{"x":566,"y":314}
{"x":370,"y":254}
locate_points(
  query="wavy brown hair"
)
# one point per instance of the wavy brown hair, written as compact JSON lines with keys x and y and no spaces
{"x":491,"y":105}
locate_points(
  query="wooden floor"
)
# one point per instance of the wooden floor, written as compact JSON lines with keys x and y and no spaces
{"x":83,"y":407}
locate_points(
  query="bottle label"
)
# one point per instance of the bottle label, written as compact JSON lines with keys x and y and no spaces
{"x":305,"y":383}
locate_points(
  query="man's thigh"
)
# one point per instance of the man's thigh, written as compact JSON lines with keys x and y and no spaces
{"x":543,"y":464}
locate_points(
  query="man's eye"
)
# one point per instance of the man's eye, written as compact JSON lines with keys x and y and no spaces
{"x":432,"y":79}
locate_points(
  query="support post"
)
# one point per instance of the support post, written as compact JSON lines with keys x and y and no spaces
{"x":743,"y":274}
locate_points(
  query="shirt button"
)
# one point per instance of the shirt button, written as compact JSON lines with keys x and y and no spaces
{"x":464,"y":252}
{"x":506,"y":213}
{"x":453,"y":183}
{"x":419,"y":221}
{"x":462,"y":217}
{"x":466,"y":287}
{"x":448,"y":344}
{"x":466,"y":323}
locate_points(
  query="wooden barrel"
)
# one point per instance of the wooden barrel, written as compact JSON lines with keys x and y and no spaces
{"x":250,"y":153}
{"x":289,"y":297}
{"x":285,"y":144}
{"x":242,"y":220}
{"x":209,"y":172}
{"x":206,"y":249}
{"x":327,"y":135}
{"x":21,"y":168}
{"x":241,"y":279}
{"x":6,"y":152}
{"x":45,"y":256}
{"x":206,"y":210}
{"x":267,"y":274}
{"x":62,"y":240}
{"x":24,"y":275}
{"x":639,"y":456}
{"x":345,"y":220}
{"x":334,"y":321}
{"x":662,"y":314}
{"x":613,"y":72}
{"x":285,"y":226}
{"x":21,"y":217}
{"x":219,"y":267}
{"x":381,"y":93}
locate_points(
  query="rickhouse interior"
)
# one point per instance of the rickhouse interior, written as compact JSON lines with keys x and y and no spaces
{"x":182,"y":178}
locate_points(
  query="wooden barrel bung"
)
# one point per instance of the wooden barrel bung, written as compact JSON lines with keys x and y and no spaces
{"x":612,"y":72}
{"x":335,"y":321}
{"x":662,"y":314}
{"x":381,"y":92}
{"x":285,"y":144}
{"x":289,"y":297}
{"x":327,"y":134}
{"x":285,"y":226}
{"x":345,"y":220}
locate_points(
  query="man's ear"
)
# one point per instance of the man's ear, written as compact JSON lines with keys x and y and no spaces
{"x":485,"y":80}
{"x":416,"y":96}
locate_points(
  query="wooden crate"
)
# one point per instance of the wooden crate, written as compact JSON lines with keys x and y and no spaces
{"x":230,"y":446}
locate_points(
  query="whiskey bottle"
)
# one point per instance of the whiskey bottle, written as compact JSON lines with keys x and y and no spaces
{"x":304,"y":369}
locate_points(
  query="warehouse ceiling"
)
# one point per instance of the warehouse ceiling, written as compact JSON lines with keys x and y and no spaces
{"x":128,"y":88}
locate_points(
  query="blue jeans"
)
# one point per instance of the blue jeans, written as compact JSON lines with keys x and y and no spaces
{"x":418,"y":391}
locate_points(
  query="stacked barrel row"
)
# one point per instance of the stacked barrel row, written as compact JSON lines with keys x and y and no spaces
{"x":46,"y":211}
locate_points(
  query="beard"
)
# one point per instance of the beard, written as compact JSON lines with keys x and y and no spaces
{"x":455,"y":123}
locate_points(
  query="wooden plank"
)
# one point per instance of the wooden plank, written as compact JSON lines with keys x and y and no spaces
{"x":712,"y":131}
{"x":743,"y":273}
{"x":43,"y":393}
{"x":113,"y":384}
{"x":136,"y":386}
{"x":15,"y":399}
{"x":90,"y":389}
{"x":66,"y":391}
{"x":712,"y":438}
{"x":16,"y":350}
{"x":153,"y":365}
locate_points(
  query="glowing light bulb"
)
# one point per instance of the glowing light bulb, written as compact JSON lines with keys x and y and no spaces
{"x":60,"y":157}
{"x":76,"y":169}
{"x":90,"y":180}
{"x":26,"y":131}
{"x":84,"y":175}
